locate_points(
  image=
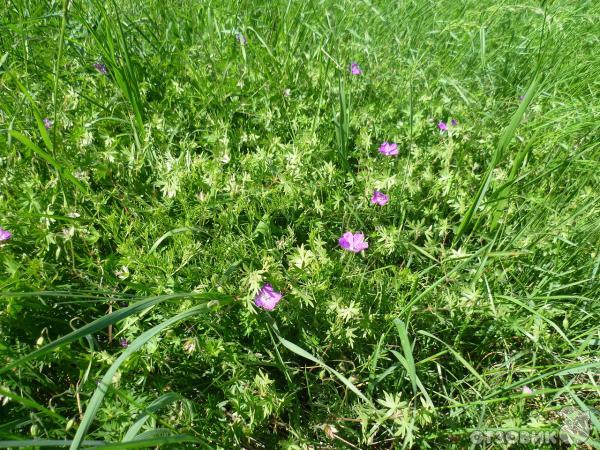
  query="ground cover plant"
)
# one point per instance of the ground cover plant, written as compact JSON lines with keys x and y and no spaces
{"x":317,"y":224}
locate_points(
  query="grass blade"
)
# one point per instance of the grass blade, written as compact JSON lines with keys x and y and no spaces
{"x":32,"y":404}
{"x":157,"y":404}
{"x":62,"y":171}
{"x":408,"y":356}
{"x":29,"y":443}
{"x":503,"y":142}
{"x":301,"y":352}
{"x":104,"y":321}
{"x":100,"y":392}
{"x":459,"y":357}
{"x":144,"y":443}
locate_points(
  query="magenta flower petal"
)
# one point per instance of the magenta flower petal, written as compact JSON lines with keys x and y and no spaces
{"x":241,"y":38}
{"x":379,"y":198}
{"x":388,"y":148}
{"x":355,"y":69}
{"x":101,"y":68}
{"x":5,"y":235}
{"x":267,"y":297}
{"x":442,"y":126}
{"x":353,"y":242}
{"x":124,"y":342}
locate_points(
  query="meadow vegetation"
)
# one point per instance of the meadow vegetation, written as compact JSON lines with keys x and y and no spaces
{"x":161,"y":161}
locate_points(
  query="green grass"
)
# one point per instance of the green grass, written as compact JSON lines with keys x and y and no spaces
{"x":169,"y":190}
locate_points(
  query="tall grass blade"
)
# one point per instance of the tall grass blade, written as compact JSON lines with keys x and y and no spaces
{"x":30,"y":443}
{"x":157,"y":404}
{"x":144,"y":443}
{"x":301,"y":352}
{"x":503,"y":142}
{"x":105,"y":321}
{"x":60,"y":168}
{"x":105,"y":382}
{"x":458,"y":356}
{"x":407,"y":350}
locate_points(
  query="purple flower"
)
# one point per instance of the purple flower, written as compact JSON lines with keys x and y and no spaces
{"x":353,"y":242}
{"x":124,"y":343}
{"x":389,"y":148}
{"x":355,"y":69}
{"x":5,"y":235}
{"x":48,"y":123}
{"x":267,"y":297}
{"x":379,"y":198}
{"x":101,"y":68}
{"x":442,"y":126}
{"x":241,"y":38}
{"x":453,"y":122}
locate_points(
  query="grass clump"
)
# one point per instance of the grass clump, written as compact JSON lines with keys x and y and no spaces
{"x":160,"y":165}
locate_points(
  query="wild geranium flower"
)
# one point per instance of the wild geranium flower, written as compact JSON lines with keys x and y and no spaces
{"x":5,"y":235}
{"x":241,"y":38}
{"x":267,"y":297}
{"x":355,"y":69}
{"x":443,"y":126}
{"x":379,"y":198}
{"x":389,"y":148}
{"x":48,"y":123}
{"x":353,"y":242}
{"x":101,"y":68}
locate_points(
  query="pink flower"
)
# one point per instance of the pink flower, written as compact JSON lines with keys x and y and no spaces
{"x":48,"y":123}
{"x":443,"y":126}
{"x":355,"y":69}
{"x":241,"y":38}
{"x":527,"y":390}
{"x":353,"y":242}
{"x":267,"y":297}
{"x":5,"y":235}
{"x":379,"y":198}
{"x":101,"y":68}
{"x":389,"y":148}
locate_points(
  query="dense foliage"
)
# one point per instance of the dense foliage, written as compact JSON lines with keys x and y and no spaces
{"x":179,"y":155}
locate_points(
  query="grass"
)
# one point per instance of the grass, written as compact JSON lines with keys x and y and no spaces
{"x":203,"y":165}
